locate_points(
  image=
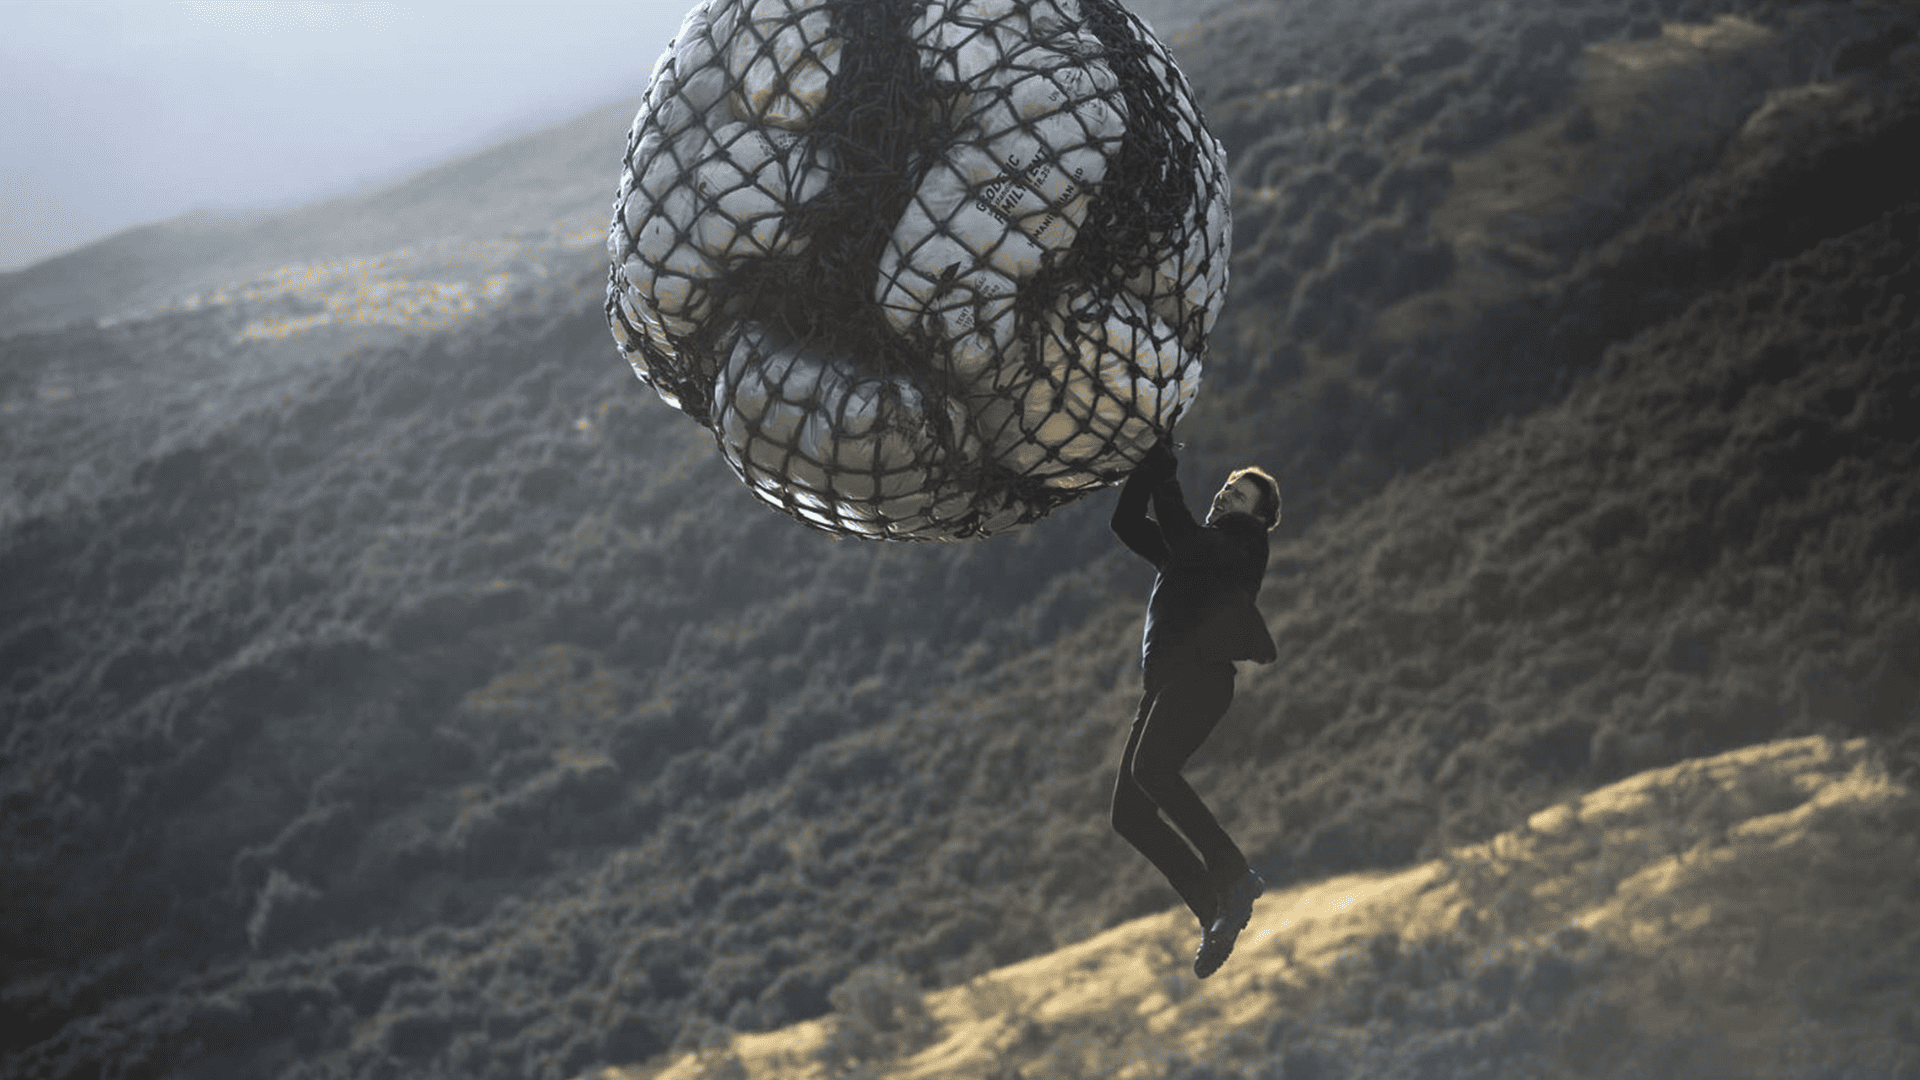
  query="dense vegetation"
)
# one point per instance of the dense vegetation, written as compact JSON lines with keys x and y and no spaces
{"x":429,"y":701}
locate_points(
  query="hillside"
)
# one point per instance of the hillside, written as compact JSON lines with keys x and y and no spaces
{"x":391,"y":685}
{"x":1751,"y":914}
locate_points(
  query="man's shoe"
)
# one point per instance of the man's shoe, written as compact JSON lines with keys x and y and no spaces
{"x":1237,"y":907}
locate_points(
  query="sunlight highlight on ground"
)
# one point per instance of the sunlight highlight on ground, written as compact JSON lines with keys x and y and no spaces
{"x":1670,"y":97}
{"x":425,"y":288}
{"x":1666,"y":868}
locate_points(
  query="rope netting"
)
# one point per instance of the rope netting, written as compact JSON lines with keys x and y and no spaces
{"x":928,"y":269}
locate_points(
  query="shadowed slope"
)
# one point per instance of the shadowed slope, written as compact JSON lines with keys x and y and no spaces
{"x":389,"y":685}
{"x":1753,"y":912}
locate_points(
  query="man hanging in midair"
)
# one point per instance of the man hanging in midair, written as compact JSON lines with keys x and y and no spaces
{"x":1200,"y":619}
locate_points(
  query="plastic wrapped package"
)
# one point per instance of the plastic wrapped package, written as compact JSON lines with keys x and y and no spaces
{"x":927,"y":270}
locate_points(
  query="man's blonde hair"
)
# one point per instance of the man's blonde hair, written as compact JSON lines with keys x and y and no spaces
{"x":1267,"y":506}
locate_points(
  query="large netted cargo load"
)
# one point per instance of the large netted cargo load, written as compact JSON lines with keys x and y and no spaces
{"x":927,"y":270}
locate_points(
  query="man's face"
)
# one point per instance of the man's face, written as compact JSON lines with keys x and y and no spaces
{"x":1239,"y":497}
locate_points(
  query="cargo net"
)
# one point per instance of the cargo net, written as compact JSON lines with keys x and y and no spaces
{"x":926,"y":270}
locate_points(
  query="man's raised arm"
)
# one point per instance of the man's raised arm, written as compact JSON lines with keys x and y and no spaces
{"x":1130,"y":522}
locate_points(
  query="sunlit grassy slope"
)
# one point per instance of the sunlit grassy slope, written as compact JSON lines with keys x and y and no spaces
{"x":1751,"y":914}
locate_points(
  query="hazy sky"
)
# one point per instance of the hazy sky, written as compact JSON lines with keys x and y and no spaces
{"x":118,"y":112}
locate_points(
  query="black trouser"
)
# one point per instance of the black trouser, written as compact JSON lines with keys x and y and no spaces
{"x":1177,"y":713}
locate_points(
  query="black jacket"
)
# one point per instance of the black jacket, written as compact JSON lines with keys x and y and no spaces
{"x":1202,"y":608}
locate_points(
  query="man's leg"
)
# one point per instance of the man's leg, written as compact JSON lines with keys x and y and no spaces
{"x":1176,"y":723}
{"x":1137,"y":819}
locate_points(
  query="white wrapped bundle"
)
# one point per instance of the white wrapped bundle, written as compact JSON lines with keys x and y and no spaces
{"x":1113,"y":381}
{"x":745,"y":184}
{"x":927,"y":268}
{"x":827,"y":436}
{"x":780,"y":56}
